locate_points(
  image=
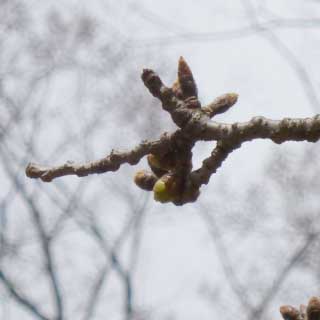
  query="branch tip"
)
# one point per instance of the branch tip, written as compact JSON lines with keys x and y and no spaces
{"x":221,"y":104}
{"x":185,"y":86}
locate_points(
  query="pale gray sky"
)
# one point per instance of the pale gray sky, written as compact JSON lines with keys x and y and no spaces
{"x":177,"y":274}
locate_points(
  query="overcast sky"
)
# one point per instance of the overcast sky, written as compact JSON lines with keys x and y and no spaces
{"x":274,"y":70}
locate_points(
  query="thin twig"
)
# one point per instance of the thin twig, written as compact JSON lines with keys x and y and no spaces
{"x":287,"y":54}
{"x":95,"y":292}
{"x":21,"y":298}
{"x":236,"y":33}
{"x":238,"y":289}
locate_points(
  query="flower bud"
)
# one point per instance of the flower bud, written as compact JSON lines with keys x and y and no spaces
{"x":289,"y":313}
{"x":160,"y":192}
{"x":313,"y":309}
{"x":145,"y":180}
{"x":186,"y":81}
{"x":221,"y":104}
{"x":165,"y":163}
{"x":168,"y":188}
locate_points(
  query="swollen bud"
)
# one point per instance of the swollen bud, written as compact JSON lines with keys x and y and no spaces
{"x":161,"y":165}
{"x":155,"y":165}
{"x":289,"y":313}
{"x":145,"y":180}
{"x":167,"y":188}
{"x":161,"y":193}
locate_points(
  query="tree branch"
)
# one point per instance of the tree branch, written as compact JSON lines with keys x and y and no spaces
{"x":111,"y":162}
{"x":179,"y":183}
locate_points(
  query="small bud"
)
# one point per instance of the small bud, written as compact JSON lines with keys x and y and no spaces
{"x":185,"y":80}
{"x":313,"y":309}
{"x":152,"y":82}
{"x":154,"y":161}
{"x":289,"y":313}
{"x":165,"y":162}
{"x":221,"y":104}
{"x":155,"y":165}
{"x":145,"y":180}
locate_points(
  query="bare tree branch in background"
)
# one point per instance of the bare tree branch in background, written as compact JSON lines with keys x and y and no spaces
{"x":273,"y":24}
{"x":228,"y":268}
{"x":43,"y":237}
{"x":23,"y":300}
{"x":289,"y":57}
{"x":264,"y":29}
{"x":58,"y":52}
{"x":258,"y":311}
{"x":94,"y":295}
{"x":240,"y":290}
